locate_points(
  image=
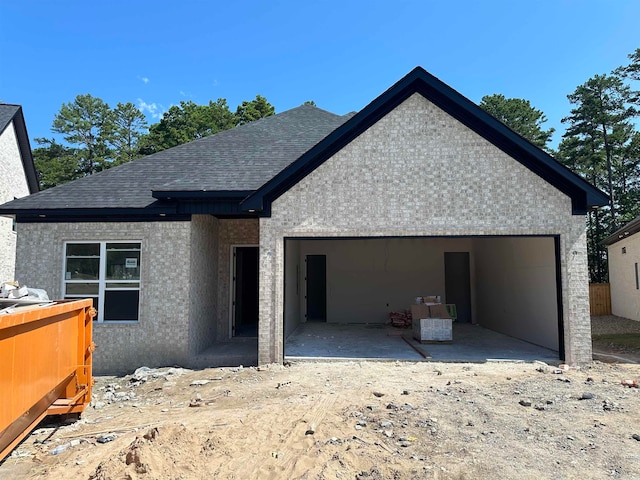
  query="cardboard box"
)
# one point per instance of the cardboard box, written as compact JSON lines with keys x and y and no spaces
{"x":438,"y":311}
{"x":420,"y":311}
{"x":429,"y":311}
{"x":433,"y":330}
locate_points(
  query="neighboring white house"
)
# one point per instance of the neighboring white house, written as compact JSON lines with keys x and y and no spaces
{"x":17,"y":179}
{"x":312,"y":216}
{"x":624,"y":270}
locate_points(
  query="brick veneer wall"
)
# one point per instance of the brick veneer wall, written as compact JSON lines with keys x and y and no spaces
{"x":232,"y":232}
{"x":203,"y":288}
{"x":418,"y":171}
{"x":13,"y":184}
{"x":161,"y":337}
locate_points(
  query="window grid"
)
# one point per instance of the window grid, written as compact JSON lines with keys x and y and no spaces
{"x":104,"y":285}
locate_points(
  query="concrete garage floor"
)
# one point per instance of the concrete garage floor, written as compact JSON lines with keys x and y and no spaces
{"x":471,"y":343}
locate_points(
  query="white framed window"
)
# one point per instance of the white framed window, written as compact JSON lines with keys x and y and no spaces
{"x":108,"y":272}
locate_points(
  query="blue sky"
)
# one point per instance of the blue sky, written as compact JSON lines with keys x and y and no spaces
{"x":341,"y":54}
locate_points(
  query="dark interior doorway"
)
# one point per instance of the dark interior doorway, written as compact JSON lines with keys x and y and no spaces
{"x":457,"y":283}
{"x":316,"y":288}
{"x":245,"y":301}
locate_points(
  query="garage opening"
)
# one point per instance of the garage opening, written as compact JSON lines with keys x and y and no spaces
{"x":245,"y":291}
{"x":506,"y":290}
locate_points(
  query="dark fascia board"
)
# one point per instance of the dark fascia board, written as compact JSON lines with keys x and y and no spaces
{"x":218,"y":203}
{"x":71,"y":214}
{"x":25,"y":150}
{"x":201,"y":194}
{"x":583,"y":195}
{"x":629,"y":229}
{"x":104,"y":218}
{"x":177,"y":211}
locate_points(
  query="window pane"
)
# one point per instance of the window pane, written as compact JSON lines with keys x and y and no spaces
{"x":83,"y":249}
{"x":82,"y":269}
{"x":123,"y":265}
{"x":82,"y":289}
{"x":121,"y":305}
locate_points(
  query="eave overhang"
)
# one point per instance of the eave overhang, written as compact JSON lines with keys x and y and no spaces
{"x":626,"y":231}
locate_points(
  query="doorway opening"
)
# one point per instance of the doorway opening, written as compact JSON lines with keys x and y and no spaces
{"x":316,"y":281}
{"x":244,"y":303}
{"x":457,"y":283}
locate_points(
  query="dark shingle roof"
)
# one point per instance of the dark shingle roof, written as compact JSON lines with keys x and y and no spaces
{"x":240,"y":159}
{"x":9,"y":113}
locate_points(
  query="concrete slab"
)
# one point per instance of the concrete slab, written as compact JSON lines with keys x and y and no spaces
{"x":332,"y":340}
{"x":228,"y":354}
{"x":471,"y":343}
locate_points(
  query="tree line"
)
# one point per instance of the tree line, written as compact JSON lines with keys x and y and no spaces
{"x":601,"y":144}
{"x":97,"y":137}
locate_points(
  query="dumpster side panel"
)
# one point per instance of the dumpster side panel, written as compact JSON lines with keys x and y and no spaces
{"x":45,"y":355}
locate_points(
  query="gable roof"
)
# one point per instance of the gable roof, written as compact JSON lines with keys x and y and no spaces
{"x":243,"y":170}
{"x":13,"y":113}
{"x":213,"y":173}
{"x":583,"y":195}
{"x":626,"y":231}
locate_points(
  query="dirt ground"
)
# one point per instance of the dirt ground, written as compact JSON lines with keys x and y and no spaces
{"x":351,"y":420}
{"x":602,"y":330}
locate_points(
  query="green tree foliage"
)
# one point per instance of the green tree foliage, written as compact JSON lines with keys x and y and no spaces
{"x":87,"y":123}
{"x":129,"y":127}
{"x":631,"y":71}
{"x":519,"y":116}
{"x":250,"y":111}
{"x":55,"y":163}
{"x":600,"y":144}
{"x":187,"y":122}
{"x":96,"y":136}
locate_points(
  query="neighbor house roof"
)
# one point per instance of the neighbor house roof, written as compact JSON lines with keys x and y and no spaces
{"x":626,"y":231}
{"x":241,"y":171}
{"x":9,"y":113}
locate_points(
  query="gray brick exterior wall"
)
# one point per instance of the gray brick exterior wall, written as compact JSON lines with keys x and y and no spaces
{"x":13,"y":184}
{"x":419,"y":172}
{"x":185,"y":289}
{"x":203,"y":282}
{"x":161,"y":337}
{"x":232,"y":232}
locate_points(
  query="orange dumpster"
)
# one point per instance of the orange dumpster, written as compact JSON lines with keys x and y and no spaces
{"x":45,"y":365}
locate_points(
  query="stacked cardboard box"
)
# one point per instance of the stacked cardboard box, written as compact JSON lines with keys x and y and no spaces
{"x":431,"y":323}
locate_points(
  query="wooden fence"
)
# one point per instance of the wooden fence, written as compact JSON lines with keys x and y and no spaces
{"x":599,"y":299}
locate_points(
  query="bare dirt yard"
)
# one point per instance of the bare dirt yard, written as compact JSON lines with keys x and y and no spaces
{"x":349,"y":420}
